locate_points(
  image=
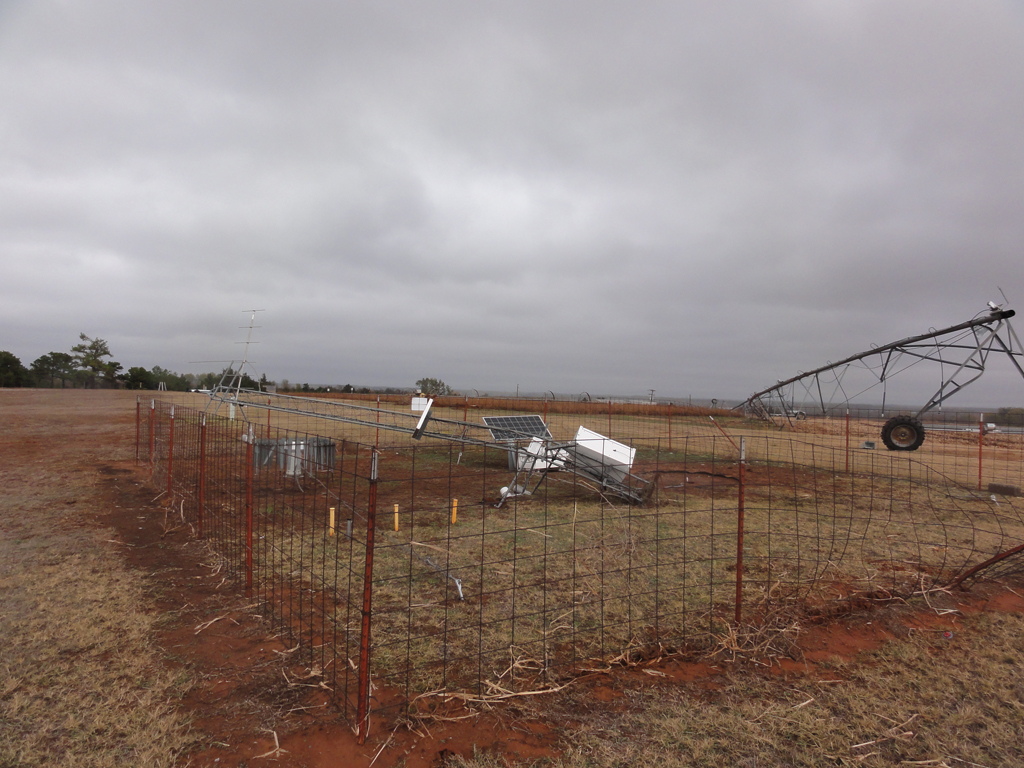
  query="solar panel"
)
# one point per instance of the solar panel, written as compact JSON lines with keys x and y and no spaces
{"x":516,"y":427}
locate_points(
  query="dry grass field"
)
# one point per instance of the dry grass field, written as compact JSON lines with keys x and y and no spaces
{"x":123,"y":645}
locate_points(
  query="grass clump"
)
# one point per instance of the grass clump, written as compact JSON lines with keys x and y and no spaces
{"x":79,"y":683}
{"x":926,"y":700}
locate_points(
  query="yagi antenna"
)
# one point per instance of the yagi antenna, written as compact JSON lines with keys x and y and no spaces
{"x":231,"y":380}
{"x":248,"y":338}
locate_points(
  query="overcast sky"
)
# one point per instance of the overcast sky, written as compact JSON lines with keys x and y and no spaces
{"x":698,"y":198}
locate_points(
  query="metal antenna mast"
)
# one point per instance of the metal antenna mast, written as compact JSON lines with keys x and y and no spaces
{"x":232,"y":377}
{"x":247,"y":342}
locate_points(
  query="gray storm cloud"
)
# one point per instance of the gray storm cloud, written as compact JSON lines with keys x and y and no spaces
{"x":699,"y":198}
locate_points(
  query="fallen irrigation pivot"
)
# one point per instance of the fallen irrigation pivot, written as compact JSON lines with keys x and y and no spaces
{"x":964,"y":347}
{"x":589,"y":455}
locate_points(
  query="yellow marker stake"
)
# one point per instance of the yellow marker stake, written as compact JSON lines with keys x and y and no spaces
{"x":330,"y":525}
{"x":396,"y":517}
{"x":455,"y":510}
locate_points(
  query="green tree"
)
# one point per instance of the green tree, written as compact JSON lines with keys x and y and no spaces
{"x":1010,"y":417}
{"x":434,"y":387}
{"x":174,"y":382}
{"x":53,"y":366}
{"x":232,"y":379}
{"x":12,"y":372}
{"x":207,"y":381}
{"x":89,"y":358}
{"x":139,"y":378}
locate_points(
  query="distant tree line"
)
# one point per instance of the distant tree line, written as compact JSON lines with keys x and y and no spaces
{"x":427,"y":386}
{"x":89,"y":365}
{"x":287,"y":386}
{"x":1008,"y":417}
{"x":86,"y":365}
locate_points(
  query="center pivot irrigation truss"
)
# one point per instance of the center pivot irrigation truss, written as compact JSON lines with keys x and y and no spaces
{"x":964,"y":347}
{"x":589,"y":455}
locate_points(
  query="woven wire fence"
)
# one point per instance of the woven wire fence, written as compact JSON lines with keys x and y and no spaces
{"x":407,"y":579}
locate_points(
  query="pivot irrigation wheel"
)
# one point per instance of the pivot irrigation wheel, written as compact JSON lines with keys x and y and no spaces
{"x":903,"y":433}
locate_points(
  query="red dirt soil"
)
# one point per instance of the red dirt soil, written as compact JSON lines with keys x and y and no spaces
{"x":248,"y":692}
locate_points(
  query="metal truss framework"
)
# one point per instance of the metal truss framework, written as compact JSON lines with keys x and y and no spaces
{"x":962,"y":348}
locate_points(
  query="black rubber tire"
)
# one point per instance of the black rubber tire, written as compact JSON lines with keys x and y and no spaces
{"x":903,"y":433}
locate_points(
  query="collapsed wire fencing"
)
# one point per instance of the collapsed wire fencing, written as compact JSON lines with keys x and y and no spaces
{"x":407,"y":583}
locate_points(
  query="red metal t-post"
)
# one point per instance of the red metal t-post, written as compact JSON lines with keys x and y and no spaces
{"x":170,"y":457}
{"x":248,"y":514}
{"x":363,"y":705}
{"x":847,"y":439}
{"x":739,"y":531}
{"x":981,"y":443}
{"x":138,"y":426}
{"x":202,"y":472}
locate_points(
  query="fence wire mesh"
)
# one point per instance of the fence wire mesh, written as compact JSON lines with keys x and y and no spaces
{"x":400,"y":562}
